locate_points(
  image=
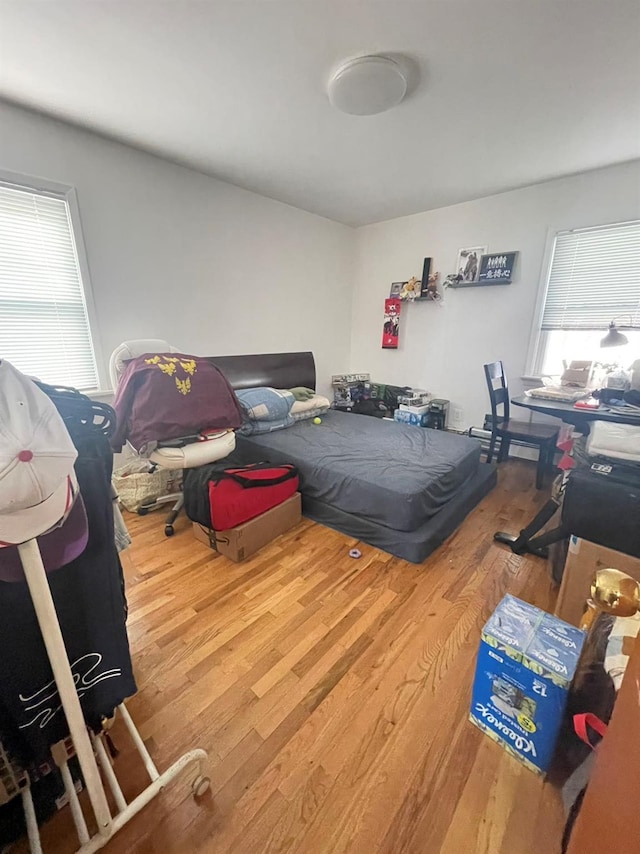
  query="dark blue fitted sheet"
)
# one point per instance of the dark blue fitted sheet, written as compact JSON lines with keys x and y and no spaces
{"x":388,"y":473}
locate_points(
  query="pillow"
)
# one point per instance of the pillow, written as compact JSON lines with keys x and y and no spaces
{"x":254,"y":428}
{"x":300,"y":392}
{"x":308,"y":413}
{"x":315,"y":402}
{"x":264,"y":403}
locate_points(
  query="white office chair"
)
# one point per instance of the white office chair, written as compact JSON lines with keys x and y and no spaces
{"x":186,"y":456}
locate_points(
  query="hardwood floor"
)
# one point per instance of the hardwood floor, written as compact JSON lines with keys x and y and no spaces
{"x":332,"y":694}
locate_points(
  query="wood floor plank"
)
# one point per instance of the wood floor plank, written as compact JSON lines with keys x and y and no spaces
{"x":332,"y":694}
{"x":291,"y":660}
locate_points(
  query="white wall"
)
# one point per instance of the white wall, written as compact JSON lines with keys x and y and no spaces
{"x":215,"y":269}
{"x":444,"y":345}
{"x":178,"y":255}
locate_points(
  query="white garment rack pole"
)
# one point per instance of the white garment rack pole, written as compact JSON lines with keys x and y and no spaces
{"x":56,"y":650}
{"x":48,"y":620}
{"x":32,"y":823}
{"x":109,"y":773}
{"x":74,"y":804}
{"x":200,"y":785}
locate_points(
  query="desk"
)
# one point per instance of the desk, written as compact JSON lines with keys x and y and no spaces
{"x":526,"y":541}
{"x":568,"y":412}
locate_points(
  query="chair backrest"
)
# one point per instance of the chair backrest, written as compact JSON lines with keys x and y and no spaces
{"x":498,"y":391}
{"x":131,"y":350}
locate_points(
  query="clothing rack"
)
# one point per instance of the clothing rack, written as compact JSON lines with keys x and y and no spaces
{"x":87,"y":751}
{"x":95,"y":764}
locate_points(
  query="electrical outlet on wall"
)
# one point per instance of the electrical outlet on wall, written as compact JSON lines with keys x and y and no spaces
{"x":457,"y":415}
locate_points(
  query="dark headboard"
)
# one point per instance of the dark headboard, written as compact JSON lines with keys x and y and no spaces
{"x":278,"y":370}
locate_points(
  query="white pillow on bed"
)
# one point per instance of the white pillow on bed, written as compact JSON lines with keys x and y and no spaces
{"x":302,"y":407}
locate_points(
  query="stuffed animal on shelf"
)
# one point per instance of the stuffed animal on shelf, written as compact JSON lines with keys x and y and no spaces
{"x":452,"y":280}
{"x":411,"y":290}
{"x":432,"y":287}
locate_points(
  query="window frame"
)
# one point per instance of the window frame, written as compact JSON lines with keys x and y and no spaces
{"x":537,"y":341}
{"x":67,"y":193}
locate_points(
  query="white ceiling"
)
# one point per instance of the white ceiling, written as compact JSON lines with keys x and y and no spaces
{"x":504,"y":93}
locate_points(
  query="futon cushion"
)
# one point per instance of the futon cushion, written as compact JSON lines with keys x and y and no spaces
{"x":315,"y":405}
{"x":255,"y":428}
{"x":264,"y":403}
{"x":195,"y":453}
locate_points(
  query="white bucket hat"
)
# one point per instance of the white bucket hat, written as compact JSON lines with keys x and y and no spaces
{"x":37,"y":481}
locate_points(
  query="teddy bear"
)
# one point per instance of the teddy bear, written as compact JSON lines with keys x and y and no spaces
{"x":411,"y":290}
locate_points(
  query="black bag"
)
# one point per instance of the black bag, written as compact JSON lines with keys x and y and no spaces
{"x":370,"y":407}
{"x":196,"y":491}
{"x":389,"y":394}
{"x":602,"y":504}
{"x":222,"y":496}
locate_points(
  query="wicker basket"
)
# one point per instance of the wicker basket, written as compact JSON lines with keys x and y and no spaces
{"x":138,"y":484}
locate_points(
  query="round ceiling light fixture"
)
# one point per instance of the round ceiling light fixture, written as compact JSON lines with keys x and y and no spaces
{"x":367,"y":85}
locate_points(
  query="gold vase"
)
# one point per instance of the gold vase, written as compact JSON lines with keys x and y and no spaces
{"x":616,"y":593}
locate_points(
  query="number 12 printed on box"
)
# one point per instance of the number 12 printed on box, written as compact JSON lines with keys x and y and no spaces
{"x":391,"y":327}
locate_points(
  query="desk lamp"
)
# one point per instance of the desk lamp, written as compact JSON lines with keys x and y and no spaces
{"x":615,"y":338}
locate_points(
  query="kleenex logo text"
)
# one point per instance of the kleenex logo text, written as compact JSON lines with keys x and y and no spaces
{"x":566,"y":642}
{"x":519,"y":741}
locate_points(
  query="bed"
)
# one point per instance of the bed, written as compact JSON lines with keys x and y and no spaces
{"x":402,"y":489}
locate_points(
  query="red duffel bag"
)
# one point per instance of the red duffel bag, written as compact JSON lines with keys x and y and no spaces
{"x":239,"y":494}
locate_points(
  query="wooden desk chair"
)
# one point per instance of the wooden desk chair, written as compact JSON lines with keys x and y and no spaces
{"x":540,"y":436}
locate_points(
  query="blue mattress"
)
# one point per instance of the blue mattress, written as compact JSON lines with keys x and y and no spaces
{"x":389,"y":474}
{"x":416,"y":545}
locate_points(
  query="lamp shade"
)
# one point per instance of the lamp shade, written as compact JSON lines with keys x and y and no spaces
{"x":614,"y":338}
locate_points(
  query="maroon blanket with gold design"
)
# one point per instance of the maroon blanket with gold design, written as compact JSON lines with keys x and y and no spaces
{"x":165,"y":396}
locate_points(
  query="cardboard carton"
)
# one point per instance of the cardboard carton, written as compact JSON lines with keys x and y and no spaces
{"x":578,"y":375}
{"x":241,"y":542}
{"x":416,"y":397}
{"x":584,"y":559}
{"x":345,"y":379}
{"x":526,"y":662}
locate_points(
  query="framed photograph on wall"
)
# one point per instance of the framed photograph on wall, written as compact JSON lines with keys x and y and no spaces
{"x":468,"y":265}
{"x":396,"y":289}
{"x":497,"y":269}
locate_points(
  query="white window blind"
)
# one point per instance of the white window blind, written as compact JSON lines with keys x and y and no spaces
{"x":594,"y":277}
{"x":44,"y":328}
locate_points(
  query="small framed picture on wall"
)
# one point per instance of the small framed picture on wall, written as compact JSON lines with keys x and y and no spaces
{"x":468,"y":264}
{"x":497,"y":269}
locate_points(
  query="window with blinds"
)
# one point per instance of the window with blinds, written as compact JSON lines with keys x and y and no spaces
{"x":44,"y":327}
{"x":594,"y":278}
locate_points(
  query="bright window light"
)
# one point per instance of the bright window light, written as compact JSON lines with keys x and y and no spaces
{"x":44,"y":327}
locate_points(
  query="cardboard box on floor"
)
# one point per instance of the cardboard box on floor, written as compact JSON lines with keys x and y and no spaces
{"x":525,"y":665}
{"x":584,"y":559}
{"x":239,"y":543}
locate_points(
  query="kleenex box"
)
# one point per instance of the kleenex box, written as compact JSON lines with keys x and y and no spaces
{"x":417,"y":410}
{"x":526,"y":662}
{"x":404,"y":416}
